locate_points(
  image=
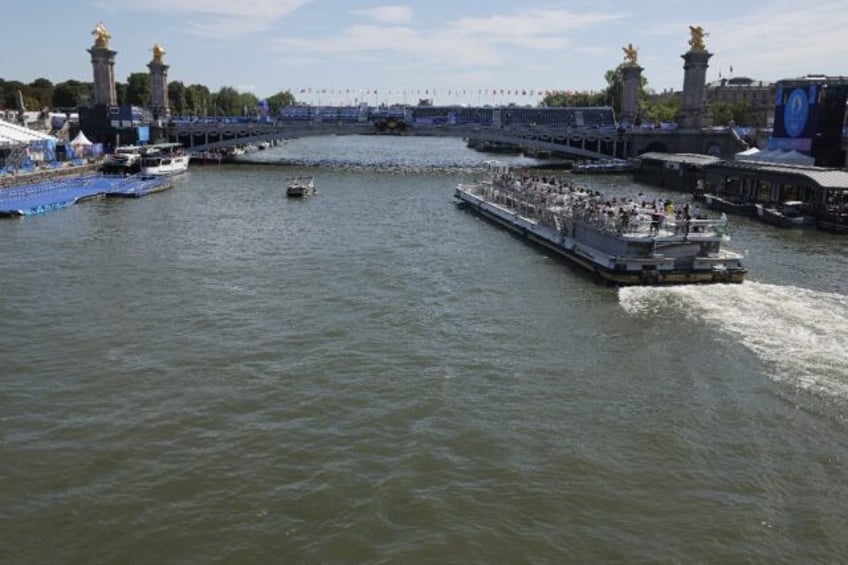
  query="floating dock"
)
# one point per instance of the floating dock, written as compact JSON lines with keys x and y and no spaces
{"x":41,"y":197}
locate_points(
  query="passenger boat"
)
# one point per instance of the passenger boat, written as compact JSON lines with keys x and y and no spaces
{"x":623,"y":243}
{"x":300,"y":186}
{"x":164,"y":159}
{"x":788,"y":215}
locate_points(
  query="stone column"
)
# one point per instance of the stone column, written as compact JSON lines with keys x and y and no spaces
{"x":631,"y":86}
{"x":159,"y":84}
{"x":693,"y":114}
{"x":103,"y":64}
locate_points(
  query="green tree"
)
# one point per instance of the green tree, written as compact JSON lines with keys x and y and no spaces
{"x":177,"y":98}
{"x":138,"y":89}
{"x":248,"y":104}
{"x":10,"y":93}
{"x":198,"y":100}
{"x":731,"y":113}
{"x":279,"y":100}
{"x":226,"y":102}
{"x":561,"y":98}
{"x":661,"y":108}
{"x":41,"y":92}
{"x":71,"y":94}
{"x":615,"y":81}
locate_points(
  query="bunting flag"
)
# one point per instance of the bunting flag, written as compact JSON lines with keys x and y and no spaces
{"x":337,"y":96}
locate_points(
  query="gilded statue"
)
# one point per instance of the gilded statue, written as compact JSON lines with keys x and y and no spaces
{"x":102,"y":35}
{"x":158,"y":53}
{"x":630,"y":54}
{"x":697,"y":40}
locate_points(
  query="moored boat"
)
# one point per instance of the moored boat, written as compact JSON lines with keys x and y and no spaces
{"x":604,"y":167}
{"x":299,"y":187}
{"x":621,"y":241}
{"x":125,"y":160}
{"x":720,"y":204}
{"x":164,"y":159}
{"x":787,"y":215}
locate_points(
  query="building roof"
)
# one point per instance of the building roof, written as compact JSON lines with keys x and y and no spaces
{"x":739,"y":83}
{"x":687,"y":158}
{"x":824,"y":177}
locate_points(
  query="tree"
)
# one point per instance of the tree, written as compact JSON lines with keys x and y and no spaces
{"x":731,"y":113}
{"x":198,"y":100}
{"x":41,"y":92}
{"x":71,"y":94}
{"x":10,"y":93}
{"x":661,"y":108}
{"x":561,"y":98}
{"x":138,"y":89}
{"x":248,"y":103}
{"x":177,"y":97}
{"x":226,"y":102}
{"x":279,"y":100}
{"x":615,"y":82}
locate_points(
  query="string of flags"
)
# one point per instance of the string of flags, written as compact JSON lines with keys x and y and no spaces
{"x":436,"y":92}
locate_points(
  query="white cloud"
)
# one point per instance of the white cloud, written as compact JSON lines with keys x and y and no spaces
{"x":215,"y":18}
{"x":387,"y":14}
{"x":466,"y":42}
{"x":781,"y":40}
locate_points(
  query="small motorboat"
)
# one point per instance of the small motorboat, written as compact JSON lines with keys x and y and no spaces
{"x":298,"y":187}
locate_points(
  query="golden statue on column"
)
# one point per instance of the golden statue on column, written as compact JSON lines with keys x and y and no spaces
{"x":101,"y":35}
{"x":697,"y":40}
{"x":630,"y":54}
{"x":158,"y":53}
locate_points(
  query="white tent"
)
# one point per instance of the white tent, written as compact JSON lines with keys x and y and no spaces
{"x":80,"y":141}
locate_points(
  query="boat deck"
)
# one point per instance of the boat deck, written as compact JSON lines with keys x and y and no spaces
{"x":41,"y":197}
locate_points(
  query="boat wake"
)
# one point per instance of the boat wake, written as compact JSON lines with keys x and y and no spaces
{"x":797,"y":333}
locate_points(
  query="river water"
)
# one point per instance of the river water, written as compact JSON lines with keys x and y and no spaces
{"x":216,"y":374}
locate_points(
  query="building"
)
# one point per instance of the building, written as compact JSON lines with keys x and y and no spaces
{"x":757,"y":95}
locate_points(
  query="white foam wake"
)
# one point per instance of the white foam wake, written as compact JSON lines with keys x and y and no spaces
{"x":798,"y":333}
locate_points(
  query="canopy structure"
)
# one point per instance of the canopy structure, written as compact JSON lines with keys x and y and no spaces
{"x":13,"y":134}
{"x":80,"y":140}
{"x":775,"y":156}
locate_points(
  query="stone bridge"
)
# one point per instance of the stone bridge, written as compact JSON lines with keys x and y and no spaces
{"x":581,"y":133}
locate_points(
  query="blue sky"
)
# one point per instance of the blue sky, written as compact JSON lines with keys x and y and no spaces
{"x":461,"y":50}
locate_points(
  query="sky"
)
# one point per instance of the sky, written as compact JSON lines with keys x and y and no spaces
{"x":452,"y":52}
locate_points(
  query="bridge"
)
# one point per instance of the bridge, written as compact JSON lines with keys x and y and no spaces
{"x":588,"y":133}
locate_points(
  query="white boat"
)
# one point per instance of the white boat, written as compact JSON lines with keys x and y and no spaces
{"x":164,"y":159}
{"x":618,"y":240}
{"x":787,"y":215}
{"x":125,"y":160}
{"x":300,"y":186}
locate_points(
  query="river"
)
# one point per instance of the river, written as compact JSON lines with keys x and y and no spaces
{"x":218,"y":374}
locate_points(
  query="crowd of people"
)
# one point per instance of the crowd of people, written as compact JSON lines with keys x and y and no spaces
{"x":545,"y":198}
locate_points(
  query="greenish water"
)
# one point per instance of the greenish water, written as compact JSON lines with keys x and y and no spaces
{"x":219,"y":374}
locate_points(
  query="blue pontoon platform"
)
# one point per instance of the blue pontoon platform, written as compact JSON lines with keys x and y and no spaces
{"x":46,"y":196}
